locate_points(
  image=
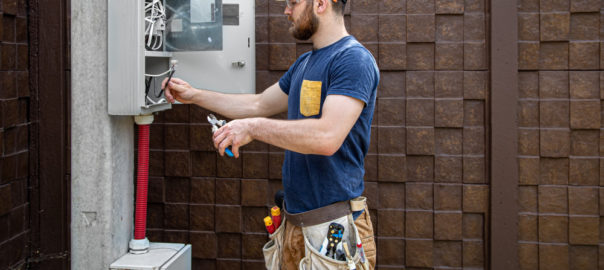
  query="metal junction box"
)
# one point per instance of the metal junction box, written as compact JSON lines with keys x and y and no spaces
{"x":161,"y":256}
{"x":211,"y":44}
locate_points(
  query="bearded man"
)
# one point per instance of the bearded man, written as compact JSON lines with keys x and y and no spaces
{"x":329,"y":94}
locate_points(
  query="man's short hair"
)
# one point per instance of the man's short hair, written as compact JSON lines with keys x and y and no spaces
{"x":339,"y":6}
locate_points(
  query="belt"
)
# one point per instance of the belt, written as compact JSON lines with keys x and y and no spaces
{"x":325,"y":213}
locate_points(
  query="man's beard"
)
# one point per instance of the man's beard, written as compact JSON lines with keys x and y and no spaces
{"x":306,"y":26}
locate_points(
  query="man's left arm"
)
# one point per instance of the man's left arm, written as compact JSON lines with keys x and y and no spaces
{"x":320,"y":136}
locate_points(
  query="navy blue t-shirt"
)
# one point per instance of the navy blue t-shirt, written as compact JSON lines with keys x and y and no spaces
{"x":343,"y":68}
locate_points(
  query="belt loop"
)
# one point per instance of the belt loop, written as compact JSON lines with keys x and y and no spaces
{"x":358,"y":203}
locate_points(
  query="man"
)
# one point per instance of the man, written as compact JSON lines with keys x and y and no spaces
{"x":329,"y":94}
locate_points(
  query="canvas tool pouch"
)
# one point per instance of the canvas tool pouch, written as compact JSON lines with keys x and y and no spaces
{"x":272,"y":249}
{"x":315,"y":225}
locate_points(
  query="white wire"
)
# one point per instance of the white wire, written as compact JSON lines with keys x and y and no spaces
{"x":172,"y":68}
{"x":156,"y":12}
{"x":163,"y":100}
{"x":159,"y":75}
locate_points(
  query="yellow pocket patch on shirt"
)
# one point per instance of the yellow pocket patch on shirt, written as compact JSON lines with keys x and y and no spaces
{"x":310,"y":98}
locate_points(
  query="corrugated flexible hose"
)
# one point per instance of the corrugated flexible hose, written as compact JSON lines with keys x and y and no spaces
{"x":142,"y":183}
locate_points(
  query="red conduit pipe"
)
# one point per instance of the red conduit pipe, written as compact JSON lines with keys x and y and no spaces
{"x":142,"y":183}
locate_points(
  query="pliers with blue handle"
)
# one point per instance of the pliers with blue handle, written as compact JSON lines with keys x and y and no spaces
{"x":216,"y":124}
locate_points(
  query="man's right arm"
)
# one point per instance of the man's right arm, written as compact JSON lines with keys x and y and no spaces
{"x":235,"y":106}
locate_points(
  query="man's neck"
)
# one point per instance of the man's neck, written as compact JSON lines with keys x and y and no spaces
{"x":329,"y":32}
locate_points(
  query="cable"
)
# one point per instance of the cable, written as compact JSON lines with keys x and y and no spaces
{"x":152,"y":81}
{"x":163,"y":100}
{"x":173,"y":68}
{"x":155,"y":20}
{"x":161,"y":74}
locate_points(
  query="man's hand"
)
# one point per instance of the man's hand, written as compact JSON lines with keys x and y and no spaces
{"x":235,"y":133}
{"x":179,"y":90}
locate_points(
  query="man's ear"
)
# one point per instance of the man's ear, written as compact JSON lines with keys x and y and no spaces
{"x":321,"y":6}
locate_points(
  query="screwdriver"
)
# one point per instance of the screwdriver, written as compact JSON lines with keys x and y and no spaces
{"x":350,"y":262}
{"x":276,"y":213}
{"x":268,"y":223}
{"x":362,"y":252}
{"x":173,"y":69}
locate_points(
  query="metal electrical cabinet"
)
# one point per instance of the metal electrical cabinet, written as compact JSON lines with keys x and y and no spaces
{"x":161,"y":256}
{"x":211,"y":43}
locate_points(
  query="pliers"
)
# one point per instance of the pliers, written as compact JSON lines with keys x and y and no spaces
{"x":216,"y":124}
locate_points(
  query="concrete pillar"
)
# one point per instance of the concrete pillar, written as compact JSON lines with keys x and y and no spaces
{"x":102,"y":147}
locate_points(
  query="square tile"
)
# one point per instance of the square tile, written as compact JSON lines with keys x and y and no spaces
{"x":419,"y":196}
{"x":553,"y":200}
{"x":420,"y":141}
{"x":555,"y":26}
{"x":447,"y":197}
{"x":553,"y":171}
{"x":420,"y":168}
{"x":553,"y":55}
{"x":553,"y":229}
{"x":420,"y":112}
{"x":420,"y":84}
{"x":418,"y":224}
{"x":448,"y":84}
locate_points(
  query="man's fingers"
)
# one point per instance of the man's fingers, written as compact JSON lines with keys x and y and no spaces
{"x":219,"y":136}
{"x":221,"y":140}
{"x":168,"y":94}
{"x":235,"y":150}
{"x":225,"y":137}
{"x":223,"y":145}
{"x":172,"y":88}
{"x":176,"y":89}
{"x":172,"y":80}
{"x":163,"y":83}
{"x":168,"y":88}
{"x":177,"y":81}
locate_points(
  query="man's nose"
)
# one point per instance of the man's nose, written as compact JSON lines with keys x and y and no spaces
{"x":287,"y":11}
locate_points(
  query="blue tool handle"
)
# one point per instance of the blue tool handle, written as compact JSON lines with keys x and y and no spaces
{"x":228,"y":152}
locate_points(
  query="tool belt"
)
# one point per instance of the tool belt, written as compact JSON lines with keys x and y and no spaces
{"x":272,"y":249}
{"x":325,"y":213}
{"x":315,"y":223}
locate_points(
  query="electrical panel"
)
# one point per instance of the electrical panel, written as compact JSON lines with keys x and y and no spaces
{"x":208,"y":43}
{"x":161,"y":256}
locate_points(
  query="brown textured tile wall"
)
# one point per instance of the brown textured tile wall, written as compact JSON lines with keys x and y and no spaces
{"x":14,"y":133}
{"x":559,"y":134}
{"x":426,"y":177}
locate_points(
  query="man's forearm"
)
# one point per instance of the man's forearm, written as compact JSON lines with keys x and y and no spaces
{"x":233,"y":106}
{"x":236,"y":106}
{"x":320,"y":136}
{"x":306,"y":136}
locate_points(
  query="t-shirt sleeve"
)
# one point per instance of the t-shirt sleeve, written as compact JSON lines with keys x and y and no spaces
{"x":285,"y":80}
{"x":354,"y":74}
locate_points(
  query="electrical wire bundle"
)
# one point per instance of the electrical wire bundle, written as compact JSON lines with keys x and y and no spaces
{"x":155,"y":24}
{"x":153,"y":81}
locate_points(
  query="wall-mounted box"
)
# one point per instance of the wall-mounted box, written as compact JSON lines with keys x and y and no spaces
{"x":161,"y":256}
{"x":231,"y":69}
{"x":213,"y":42}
